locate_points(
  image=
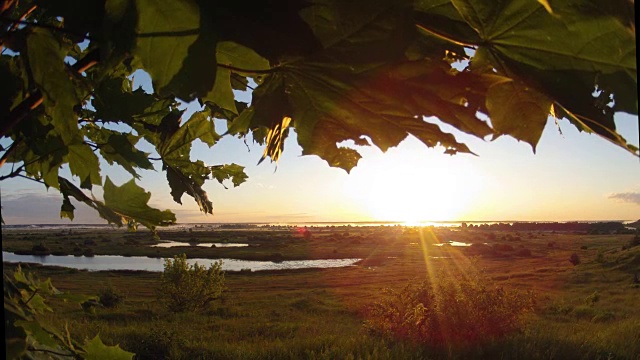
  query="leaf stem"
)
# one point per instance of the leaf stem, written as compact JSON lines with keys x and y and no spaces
{"x":52,"y":352}
{"x":445,"y":37}
{"x":248,"y":71}
{"x":31,"y":297}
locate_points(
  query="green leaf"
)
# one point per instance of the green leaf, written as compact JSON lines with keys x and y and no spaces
{"x":79,"y":17}
{"x":69,"y":190}
{"x":76,"y":298}
{"x":46,"y":55}
{"x":566,"y":55}
{"x":176,"y":45}
{"x":66,"y":210}
{"x":119,"y":148}
{"x":526,"y":32}
{"x":188,"y":177}
{"x":119,"y":28}
{"x":44,"y":155}
{"x":40,"y":335}
{"x":130,"y":201}
{"x":240,"y":58}
{"x":361,"y":34}
{"x":233,"y":57}
{"x":239,"y":82}
{"x":518,"y":110}
{"x":440,"y":19}
{"x":269,"y":106}
{"x":95,"y":349}
{"x":178,"y":145}
{"x":12,"y":85}
{"x":84,"y":164}
{"x":15,"y":338}
{"x":184,"y":175}
{"x":234,"y":172}
{"x":386,"y":105}
{"x":37,"y":303}
{"x":118,"y":91}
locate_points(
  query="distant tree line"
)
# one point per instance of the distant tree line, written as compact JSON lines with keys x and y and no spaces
{"x":609,"y":227}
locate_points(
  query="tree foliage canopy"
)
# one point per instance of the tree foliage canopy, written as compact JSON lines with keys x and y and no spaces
{"x":373,"y":72}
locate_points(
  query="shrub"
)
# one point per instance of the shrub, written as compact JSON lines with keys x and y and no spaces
{"x":503,"y":247}
{"x":110,"y":297}
{"x":451,"y":311}
{"x":574,"y":259}
{"x":592,"y":299}
{"x":185,"y":287}
{"x":40,"y":249}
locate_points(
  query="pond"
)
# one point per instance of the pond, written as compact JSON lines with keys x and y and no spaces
{"x":453,"y":243}
{"x":170,"y":244}
{"x":116,"y":262}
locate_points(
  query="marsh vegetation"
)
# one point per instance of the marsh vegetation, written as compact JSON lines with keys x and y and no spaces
{"x":507,"y":295}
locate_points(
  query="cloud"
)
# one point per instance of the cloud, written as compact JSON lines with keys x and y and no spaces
{"x":629,"y":197}
{"x":29,"y":208}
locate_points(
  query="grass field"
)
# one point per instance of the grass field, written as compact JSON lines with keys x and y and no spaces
{"x":586,"y":311}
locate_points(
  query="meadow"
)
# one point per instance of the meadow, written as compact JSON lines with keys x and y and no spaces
{"x":583,"y":289}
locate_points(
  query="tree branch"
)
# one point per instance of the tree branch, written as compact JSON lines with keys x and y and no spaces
{"x":18,"y":22}
{"x":24,"y":16}
{"x":8,"y":153}
{"x":14,"y":173}
{"x":30,"y":178}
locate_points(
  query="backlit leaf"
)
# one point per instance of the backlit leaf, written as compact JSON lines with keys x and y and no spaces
{"x":95,"y":349}
{"x":66,"y":210}
{"x":46,"y":56}
{"x":130,"y":201}
{"x":188,"y":177}
{"x":234,"y":172}
{"x":566,"y":55}
{"x":233,"y":59}
{"x":69,"y":190}
{"x":84,"y":164}
{"x":35,"y":330}
{"x":176,"y":45}
{"x":508,"y":101}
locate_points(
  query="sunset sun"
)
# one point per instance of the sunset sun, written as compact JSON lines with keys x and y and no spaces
{"x":394,"y":188}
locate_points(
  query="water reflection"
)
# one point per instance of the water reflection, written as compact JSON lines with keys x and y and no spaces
{"x":115,"y":262}
{"x":453,"y":243}
{"x":170,"y":244}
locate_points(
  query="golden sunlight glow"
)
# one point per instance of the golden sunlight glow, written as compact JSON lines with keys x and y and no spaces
{"x":413,"y":187}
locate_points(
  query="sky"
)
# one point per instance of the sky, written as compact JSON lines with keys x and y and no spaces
{"x":571,"y":176}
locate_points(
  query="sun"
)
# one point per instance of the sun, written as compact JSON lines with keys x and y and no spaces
{"x":412,"y":189}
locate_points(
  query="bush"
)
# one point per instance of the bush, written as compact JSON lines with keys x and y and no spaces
{"x":40,"y":249}
{"x":110,"y":297}
{"x":574,"y":259}
{"x":451,"y":311}
{"x":185,"y":287}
